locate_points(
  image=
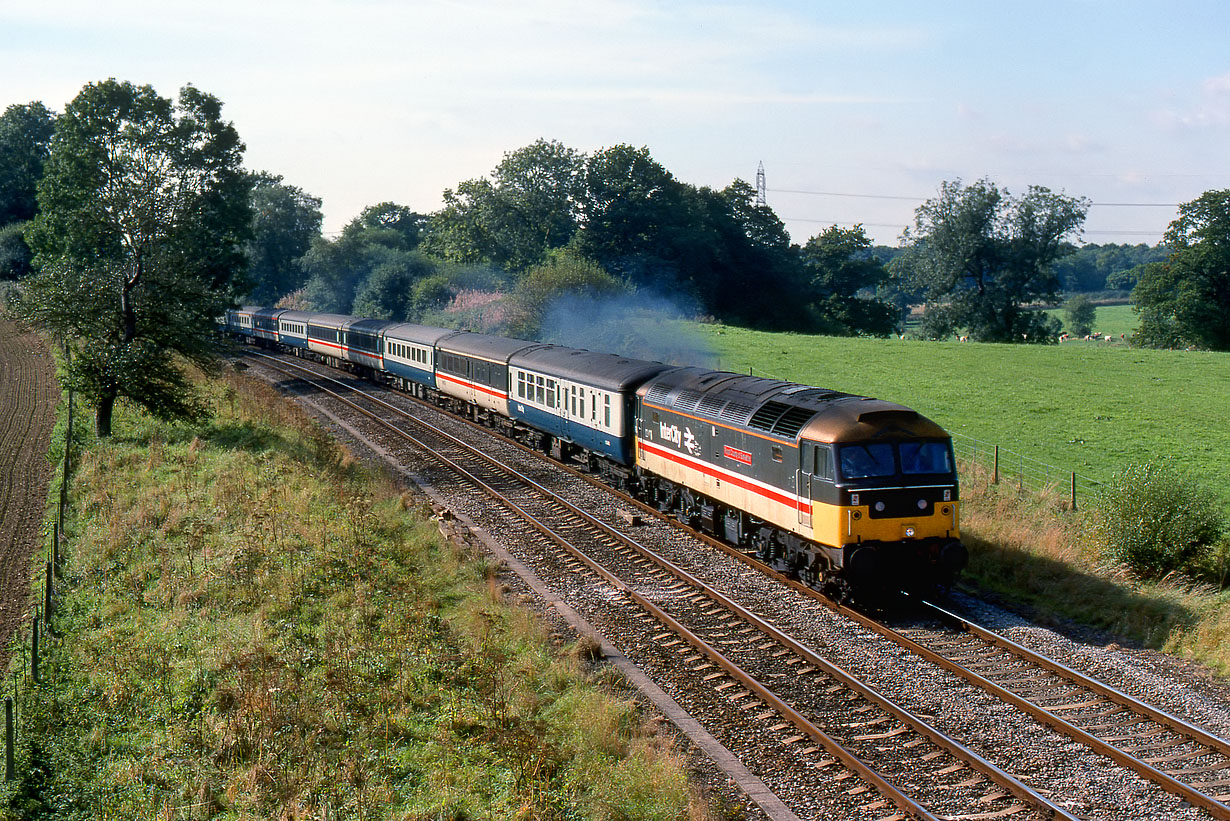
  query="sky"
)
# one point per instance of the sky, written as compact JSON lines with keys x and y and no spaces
{"x":858,"y":111}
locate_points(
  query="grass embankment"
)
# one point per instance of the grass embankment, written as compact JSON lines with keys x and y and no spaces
{"x":254,"y":626}
{"x":1084,"y":407}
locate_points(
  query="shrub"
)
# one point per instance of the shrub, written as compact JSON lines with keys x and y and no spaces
{"x":1155,"y":519}
{"x":1079,"y":315}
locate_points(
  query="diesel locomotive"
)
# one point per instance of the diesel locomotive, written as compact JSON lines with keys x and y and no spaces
{"x":846,"y":493}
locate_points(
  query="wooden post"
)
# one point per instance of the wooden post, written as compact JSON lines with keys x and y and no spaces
{"x":1074,"y":490}
{"x":10,"y":739}
{"x":34,"y":653}
{"x":995,"y":470}
{"x":47,"y":599}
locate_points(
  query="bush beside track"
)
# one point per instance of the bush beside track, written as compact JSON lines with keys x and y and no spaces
{"x":253,"y":625}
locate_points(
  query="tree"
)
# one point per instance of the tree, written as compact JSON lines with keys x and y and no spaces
{"x":1185,"y":301}
{"x":563,"y":276}
{"x":838,"y":265}
{"x":395,"y":225}
{"x":388,"y":292}
{"x":14,"y":253}
{"x":285,"y":220}
{"x":982,"y":255}
{"x":1079,"y":315}
{"x":514,"y":219}
{"x":25,"y":138}
{"x":143,"y":211}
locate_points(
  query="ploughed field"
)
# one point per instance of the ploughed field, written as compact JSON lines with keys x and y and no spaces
{"x":28,"y":396}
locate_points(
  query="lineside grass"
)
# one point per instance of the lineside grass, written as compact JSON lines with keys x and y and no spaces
{"x":252,"y":625}
{"x":1029,"y":550}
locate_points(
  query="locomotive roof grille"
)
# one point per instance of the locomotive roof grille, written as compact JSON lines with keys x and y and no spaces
{"x":687,"y":400}
{"x":658,"y":393}
{"x":780,"y":418}
{"x":711,"y":405}
{"x":735,"y":413}
{"x":792,"y":421}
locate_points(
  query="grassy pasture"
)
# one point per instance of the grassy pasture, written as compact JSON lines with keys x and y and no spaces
{"x":1079,"y":406}
{"x":1111,"y":320}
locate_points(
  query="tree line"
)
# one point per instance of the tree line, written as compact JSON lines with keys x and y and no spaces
{"x":131,"y":224}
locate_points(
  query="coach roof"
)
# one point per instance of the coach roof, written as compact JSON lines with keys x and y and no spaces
{"x":483,"y":346}
{"x":600,"y":370}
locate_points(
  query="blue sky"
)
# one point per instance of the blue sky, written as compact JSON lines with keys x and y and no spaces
{"x":878,"y":102}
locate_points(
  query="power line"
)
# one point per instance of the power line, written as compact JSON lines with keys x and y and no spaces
{"x":922,"y":199}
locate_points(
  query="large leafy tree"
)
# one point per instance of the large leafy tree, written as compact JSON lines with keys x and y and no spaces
{"x":143,"y":212}
{"x":1186,"y":299}
{"x":385,"y":234}
{"x":741,"y":261}
{"x":25,"y":139}
{"x":839,"y":265}
{"x":513,"y":219}
{"x":982,"y":255}
{"x":285,"y":220}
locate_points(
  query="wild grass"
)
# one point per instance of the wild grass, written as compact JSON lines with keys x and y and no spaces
{"x":1035,"y":554}
{"x":253,"y":625}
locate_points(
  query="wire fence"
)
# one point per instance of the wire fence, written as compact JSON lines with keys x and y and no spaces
{"x":33,"y":644}
{"x":985,"y":462}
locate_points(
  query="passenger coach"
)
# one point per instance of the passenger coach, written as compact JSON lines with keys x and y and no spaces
{"x":583,"y":400}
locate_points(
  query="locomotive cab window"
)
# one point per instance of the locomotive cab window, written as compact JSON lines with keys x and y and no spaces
{"x":926,"y":457}
{"x":867,"y":460}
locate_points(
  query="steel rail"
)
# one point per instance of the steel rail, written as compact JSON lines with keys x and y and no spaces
{"x":1119,"y":697}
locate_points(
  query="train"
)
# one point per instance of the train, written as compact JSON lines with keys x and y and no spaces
{"x":846,"y":493}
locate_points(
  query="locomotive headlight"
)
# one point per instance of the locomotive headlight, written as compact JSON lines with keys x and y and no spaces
{"x":922,"y":504}
{"x":879,"y":507}
{"x":945,"y":510}
{"x":909,"y":533}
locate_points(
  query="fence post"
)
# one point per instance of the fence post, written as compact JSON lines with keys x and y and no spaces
{"x":34,"y":653}
{"x":1074,"y":490}
{"x":995,"y":470}
{"x":47,"y":599}
{"x":10,"y":739}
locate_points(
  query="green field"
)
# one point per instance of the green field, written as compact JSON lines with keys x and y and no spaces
{"x":1089,"y":408}
{"x":1112,"y":320}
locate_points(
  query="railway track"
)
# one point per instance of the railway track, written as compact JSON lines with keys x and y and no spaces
{"x":879,"y":759}
{"x":1182,"y":759}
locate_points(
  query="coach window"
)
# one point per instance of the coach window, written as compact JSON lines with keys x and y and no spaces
{"x":551,"y":393}
{"x":608,"y":410}
{"x":539,"y":393}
